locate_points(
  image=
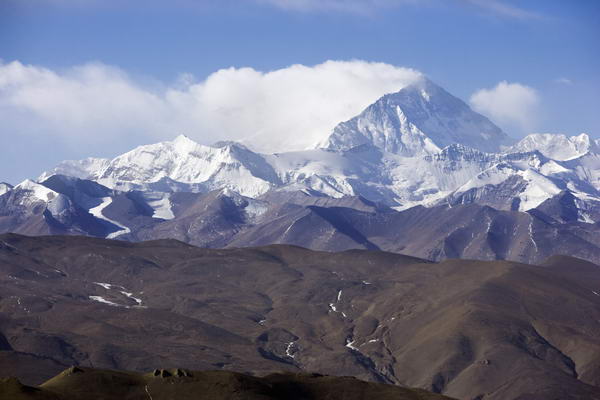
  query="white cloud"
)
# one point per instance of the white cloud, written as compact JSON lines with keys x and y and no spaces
{"x":563,"y":81}
{"x":99,"y":107}
{"x":511,"y":104}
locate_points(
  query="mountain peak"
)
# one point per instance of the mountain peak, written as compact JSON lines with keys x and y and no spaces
{"x":5,"y":187}
{"x":183,"y":144}
{"x":419,"y":119}
{"x":557,"y":146}
{"x":422,"y":87}
{"x":182,"y":138}
{"x":37,"y":190}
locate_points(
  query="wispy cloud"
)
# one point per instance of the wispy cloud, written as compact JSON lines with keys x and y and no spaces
{"x":497,"y":7}
{"x":347,"y":6}
{"x":504,"y":9}
{"x":563,"y":81}
{"x":500,"y":8}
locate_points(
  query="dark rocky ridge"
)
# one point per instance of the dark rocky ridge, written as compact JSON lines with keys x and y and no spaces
{"x":85,"y":383}
{"x":467,"y":329}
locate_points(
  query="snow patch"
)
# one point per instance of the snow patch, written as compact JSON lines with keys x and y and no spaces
{"x":107,"y":286}
{"x":101,"y":299}
{"x":333,"y":307}
{"x":161,"y":204}
{"x":539,"y":189}
{"x":531,"y":233}
{"x":585,"y":218}
{"x":255,"y":209}
{"x":130,"y":295}
{"x":350,"y":344}
{"x":289,"y":351}
{"x":97,"y":212}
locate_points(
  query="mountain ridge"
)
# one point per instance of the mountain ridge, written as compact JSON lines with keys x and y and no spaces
{"x":544,"y":186}
{"x":82,"y":383}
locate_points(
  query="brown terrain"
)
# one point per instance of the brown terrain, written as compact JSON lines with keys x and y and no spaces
{"x":78,"y":383}
{"x":466,"y":329}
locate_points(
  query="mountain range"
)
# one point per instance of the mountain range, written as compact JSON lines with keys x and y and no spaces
{"x":416,"y":172}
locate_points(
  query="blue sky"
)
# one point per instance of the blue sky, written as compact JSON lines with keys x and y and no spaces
{"x":548,"y":46}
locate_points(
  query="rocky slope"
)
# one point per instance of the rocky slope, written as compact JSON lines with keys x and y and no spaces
{"x":223,"y":218}
{"x":467,"y":329}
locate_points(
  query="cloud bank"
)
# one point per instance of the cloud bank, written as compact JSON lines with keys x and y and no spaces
{"x":95,"y":106}
{"x":512,"y":105}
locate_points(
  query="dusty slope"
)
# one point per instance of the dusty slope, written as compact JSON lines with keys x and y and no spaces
{"x":467,"y":329}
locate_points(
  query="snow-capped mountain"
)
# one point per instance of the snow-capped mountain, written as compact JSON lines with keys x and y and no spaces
{"x":179,"y":165}
{"x":455,"y":175}
{"x":76,"y":168}
{"x":382,"y":154}
{"x":396,"y":180}
{"x":59,"y":205}
{"x":422,"y":118}
{"x":32,"y":192}
{"x":418,"y":147}
{"x":557,"y":146}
